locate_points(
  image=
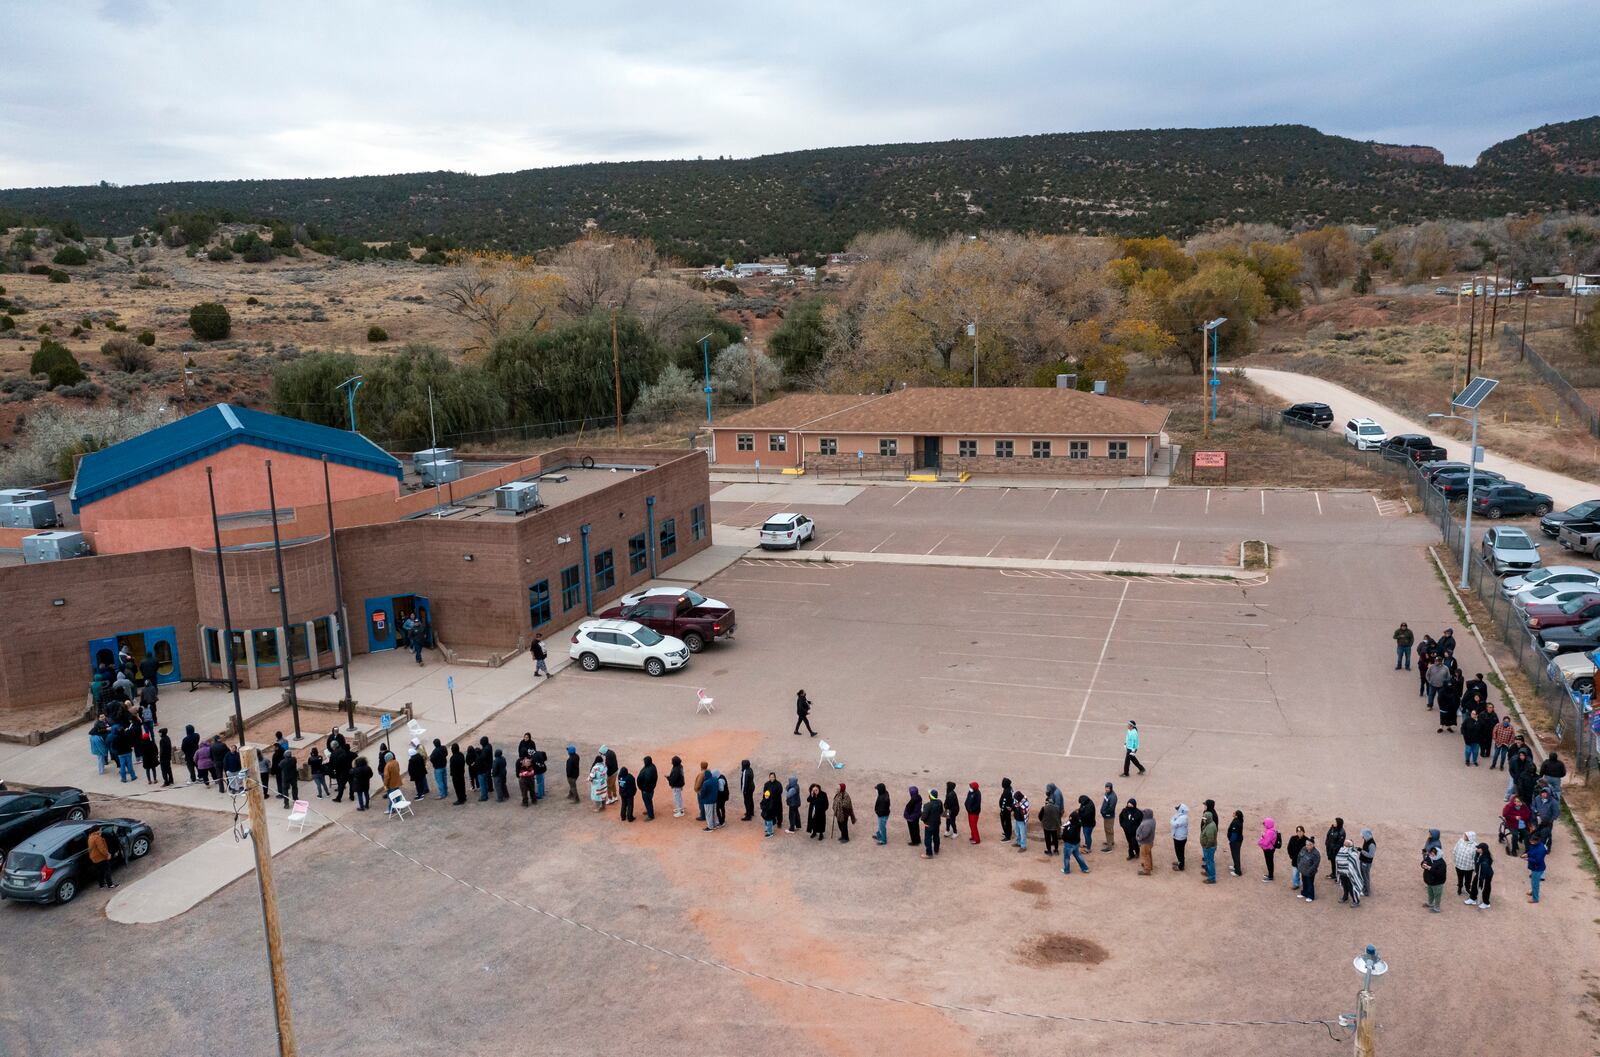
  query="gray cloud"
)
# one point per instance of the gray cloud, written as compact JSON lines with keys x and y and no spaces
{"x":178,"y":89}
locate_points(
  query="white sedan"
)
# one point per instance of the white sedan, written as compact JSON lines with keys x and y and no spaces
{"x":626,"y":644}
{"x":1550,"y":594}
{"x":1552,"y":574}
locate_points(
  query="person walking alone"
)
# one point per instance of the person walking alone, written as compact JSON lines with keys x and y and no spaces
{"x":844,"y":813}
{"x":974,"y":806}
{"x":1130,"y":749}
{"x":541,"y":658}
{"x":802,"y":712}
{"x":1403,"y":638}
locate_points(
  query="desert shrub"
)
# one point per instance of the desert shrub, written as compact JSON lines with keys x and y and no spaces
{"x":77,"y":332}
{"x":433,"y":257}
{"x":252,"y":300}
{"x":44,"y":328}
{"x":244,"y":241}
{"x":726,"y":286}
{"x":377,"y":334}
{"x":86,"y":323}
{"x":674,"y":392}
{"x":354,"y":251}
{"x":2,"y":291}
{"x":56,"y":363}
{"x":147,"y":337}
{"x":258,"y":253}
{"x":84,"y":390}
{"x":219,"y":253}
{"x":60,"y":277}
{"x":127,"y":355}
{"x":210,"y":321}
{"x":70,"y":255}
{"x":282,"y":237}
{"x":7,"y":323}
{"x":39,"y":269}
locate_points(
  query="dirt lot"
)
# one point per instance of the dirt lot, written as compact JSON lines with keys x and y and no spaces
{"x":574,"y":929}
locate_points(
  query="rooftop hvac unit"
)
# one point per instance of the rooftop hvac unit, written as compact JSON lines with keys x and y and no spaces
{"x":518,"y":497}
{"x":440,"y":471}
{"x":29,"y":514}
{"x":53,"y":546}
{"x":1066,"y":381}
{"x":1099,"y":388}
{"x":431,"y":455}
{"x":17,"y":495}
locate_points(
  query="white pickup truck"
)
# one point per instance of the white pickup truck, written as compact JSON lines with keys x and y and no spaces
{"x":1580,"y":537}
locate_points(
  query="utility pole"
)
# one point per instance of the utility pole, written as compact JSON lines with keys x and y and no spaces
{"x":616,"y":369}
{"x":1472,"y":319}
{"x":1366,"y":1026}
{"x":972,"y":332}
{"x":1494,"y":310}
{"x":227,"y":618}
{"x":1527,"y":297}
{"x":341,"y":635}
{"x":269,"y":900}
{"x":283,"y":607}
{"x":751,"y":351}
{"x":1205,"y":385}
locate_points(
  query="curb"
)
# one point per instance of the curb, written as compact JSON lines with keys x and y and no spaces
{"x":960,"y":561}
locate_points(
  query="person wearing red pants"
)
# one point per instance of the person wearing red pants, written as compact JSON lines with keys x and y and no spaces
{"x":974,"y":806}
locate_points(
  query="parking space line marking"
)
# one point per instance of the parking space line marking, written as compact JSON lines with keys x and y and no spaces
{"x":960,"y":490}
{"x":1005,"y":492}
{"x":1208,"y":501}
{"x":835,"y":536}
{"x":1052,"y":553}
{"x":995,"y":547}
{"x":936,"y":545}
{"x":908,"y":495}
{"x":881,"y":542}
{"x":1154,"y":497}
{"x":1263,"y":501}
{"x":1175,"y":547}
{"x":1092,"y":616}
{"x":1104,"y":646}
{"x":1103,"y":494}
{"x":1318,"y":496}
{"x":1375,"y":504}
{"x":753,"y":580}
{"x":1114,"y":547}
{"x":1109,"y":664}
{"x":1052,"y":498}
{"x":1112,"y":598}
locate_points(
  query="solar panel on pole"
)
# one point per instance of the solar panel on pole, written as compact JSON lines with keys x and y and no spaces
{"x":1475,"y":392}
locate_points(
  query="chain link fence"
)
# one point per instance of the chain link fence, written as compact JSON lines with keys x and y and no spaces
{"x":1581,"y":409}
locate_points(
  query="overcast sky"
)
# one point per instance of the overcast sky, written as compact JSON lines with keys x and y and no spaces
{"x":133,"y":91}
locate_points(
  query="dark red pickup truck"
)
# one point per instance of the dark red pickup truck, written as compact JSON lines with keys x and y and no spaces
{"x":679,"y":615}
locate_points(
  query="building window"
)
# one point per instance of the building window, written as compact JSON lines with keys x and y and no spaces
{"x":539,"y":603}
{"x":967,"y":449}
{"x":669,"y":537}
{"x":163,"y":655}
{"x":605,"y":572}
{"x":1117,"y":449}
{"x":697,"y":522}
{"x":889,"y":446}
{"x":571,"y":587}
{"x":298,"y":647}
{"x":638,"y":558}
{"x":322,"y":629}
{"x":1078,"y":449}
{"x":266,"y":643}
{"x":1002,"y":449}
{"x":1041,"y":449}
{"x":213,"y":645}
{"x":747,"y":442}
{"x":828,"y":446}
{"x":777,"y":442}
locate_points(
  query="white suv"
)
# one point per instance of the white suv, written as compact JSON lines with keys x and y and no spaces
{"x":626,"y":644}
{"x":787,"y":530}
{"x":1363,"y":433}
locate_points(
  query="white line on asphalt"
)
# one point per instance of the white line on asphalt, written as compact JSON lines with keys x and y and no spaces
{"x":1113,"y":598}
{"x":1175,"y":547}
{"x":936,"y":545}
{"x":995,"y":547}
{"x":1091,"y":722}
{"x":1084,"y":707}
{"x":752,"y":580}
{"x":1109,"y":664}
{"x":960,"y":490}
{"x":1005,"y":492}
{"x":1102,"y":502}
{"x":1318,"y":496}
{"x":1263,"y":501}
{"x":1052,"y":498}
{"x":1113,"y":556}
{"x":1154,"y":497}
{"x":1375,"y":504}
{"x":1142,"y":620}
{"x":1052,"y":553}
{"x":1407,"y":502}
{"x":1208,"y":501}
{"x":881,"y":542}
{"x":908,"y":495}
{"x":835,"y":536}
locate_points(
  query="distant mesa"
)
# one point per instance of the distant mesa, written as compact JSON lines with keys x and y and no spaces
{"x":1415,"y":155}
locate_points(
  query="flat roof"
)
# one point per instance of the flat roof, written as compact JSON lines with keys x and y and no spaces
{"x":480,"y":506}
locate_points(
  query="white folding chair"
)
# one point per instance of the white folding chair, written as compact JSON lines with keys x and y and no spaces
{"x":702,"y":702}
{"x":297,"y":816}
{"x":399,"y":805}
{"x":827,"y":754}
{"x":415,"y":729}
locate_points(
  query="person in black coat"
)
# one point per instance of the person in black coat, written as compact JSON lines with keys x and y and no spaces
{"x":1129,"y":820}
{"x":675,"y":783}
{"x":1334,"y":838}
{"x":417,"y":771}
{"x":289,"y":779}
{"x":974,"y":806}
{"x":747,"y":788}
{"x":189,"y":746}
{"x":149,"y":758}
{"x":1236,"y":840}
{"x":361,"y":782}
{"x":497,"y":771}
{"x":913,"y":816}
{"x":573,"y":764}
{"x":816,"y":812}
{"x":952,"y":808}
{"x":1005,"y":809}
{"x":164,"y":757}
{"x":626,"y":788}
{"x":439,"y":760}
{"x":802,"y":711}
{"x":647,"y":788}
{"x":771,"y":802}
{"x":722,"y":799}
{"x":458,"y":773}
{"x":340,"y":760}
{"x":880,"y":809}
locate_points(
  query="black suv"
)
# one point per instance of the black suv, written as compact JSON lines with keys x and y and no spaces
{"x":1308,"y":416}
{"x":24,"y":812}
{"x":1412,"y":447}
{"x":1454,"y":483}
{"x":53,"y":866}
{"x":1508,"y":497}
{"x":1587,"y":510}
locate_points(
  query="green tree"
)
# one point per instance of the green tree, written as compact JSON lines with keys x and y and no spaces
{"x":56,"y":362}
{"x":210,"y":321}
{"x":801,"y":341}
{"x":1217,"y":289}
{"x":566,"y":373}
{"x":70,"y":255}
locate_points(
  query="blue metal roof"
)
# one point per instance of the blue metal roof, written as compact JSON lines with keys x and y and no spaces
{"x":204,"y":433}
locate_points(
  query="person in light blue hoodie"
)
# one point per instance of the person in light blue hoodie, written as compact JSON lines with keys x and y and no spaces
{"x":1130,"y":747}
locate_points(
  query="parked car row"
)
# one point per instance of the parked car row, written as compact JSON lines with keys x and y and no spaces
{"x":44,"y":842}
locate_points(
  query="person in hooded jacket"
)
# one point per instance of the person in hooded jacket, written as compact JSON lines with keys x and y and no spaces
{"x":476,"y":766}
{"x":1236,"y":841}
{"x":574,"y":766}
{"x":722,"y":799}
{"x":439,"y":760}
{"x":1129,"y":820}
{"x":913,"y":816}
{"x":1208,"y":843}
{"x":458,"y":773}
{"x":417,"y":770}
{"x":1050,"y":820}
{"x":1005,"y":810}
{"x":880,"y":810}
{"x":974,"y":806}
{"x":202,"y":761}
{"x":1269,"y":842}
{"x":497,"y":770}
{"x":597,"y":782}
{"x":485,"y":768}
{"x":1180,"y":835}
{"x":771,"y":802}
{"x":952,"y":808}
{"x":816,"y":812}
{"x":791,"y":800}
{"x":1071,"y":839}
{"x":627,"y":787}
{"x":361,"y":783}
{"x":844,"y":813}
{"x":1108,"y":816}
{"x":1334,"y":840}
{"x":189,"y":746}
{"x":675,"y":782}
{"x":932,"y":811}
{"x":709,"y":790}
{"x":747,"y":789}
{"x":1145,"y":835}
{"x":611,"y":772}
{"x":1086,"y":822}
{"x":647,"y":780}
{"x":1369,"y":853}
{"x":164,"y":756}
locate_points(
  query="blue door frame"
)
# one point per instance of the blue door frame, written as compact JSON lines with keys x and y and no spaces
{"x":385,"y":613}
{"x":140,"y":643}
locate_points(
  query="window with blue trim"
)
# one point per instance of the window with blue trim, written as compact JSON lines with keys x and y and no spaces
{"x":697,"y":522}
{"x":571,"y":587}
{"x":605,"y":572}
{"x":638,"y":557}
{"x":539,"y":603}
{"x":669,"y":537}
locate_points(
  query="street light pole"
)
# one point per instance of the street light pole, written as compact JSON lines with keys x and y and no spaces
{"x":972,"y":332}
{"x":616,"y":370}
{"x":1470,"y":398}
{"x":705,"y":353}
